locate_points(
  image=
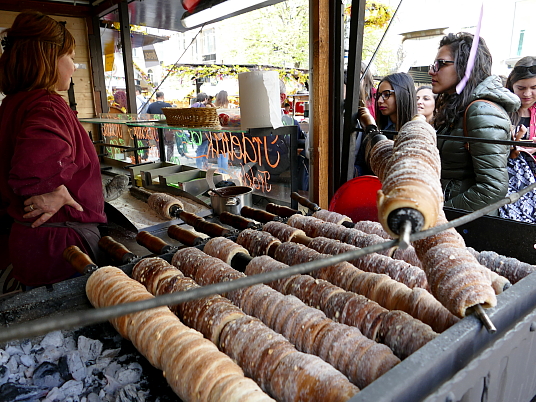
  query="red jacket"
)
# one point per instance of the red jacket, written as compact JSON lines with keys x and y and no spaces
{"x":532,"y":125}
{"x":42,"y":146}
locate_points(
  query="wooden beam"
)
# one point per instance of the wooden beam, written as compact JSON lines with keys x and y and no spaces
{"x":46,"y":7}
{"x":97,"y":65}
{"x":320,"y":100}
{"x":126,"y":44}
{"x":336,"y":82}
{"x":357,"y":24}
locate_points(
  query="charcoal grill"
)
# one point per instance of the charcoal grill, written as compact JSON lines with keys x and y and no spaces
{"x":464,"y":363}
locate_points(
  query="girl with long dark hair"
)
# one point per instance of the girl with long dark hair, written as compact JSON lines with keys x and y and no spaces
{"x":396,"y":102}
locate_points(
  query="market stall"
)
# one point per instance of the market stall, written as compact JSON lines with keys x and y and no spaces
{"x":165,"y":217}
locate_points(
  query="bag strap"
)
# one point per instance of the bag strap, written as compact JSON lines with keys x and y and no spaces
{"x":466,"y":145}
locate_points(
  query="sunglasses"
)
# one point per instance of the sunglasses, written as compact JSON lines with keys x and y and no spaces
{"x":385,"y":94}
{"x":524,"y":69}
{"x":439,"y":64}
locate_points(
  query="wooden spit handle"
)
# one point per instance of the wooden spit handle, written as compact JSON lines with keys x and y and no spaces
{"x":257,"y":214}
{"x":236,"y":221}
{"x":140,"y":193}
{"x":211,"y":229}
{"x":115,"y":249}
{"x":153,"y":243}
{"x":189,"y":218}
{"x":281,"y":210}
{"x":305,"y":202}
{"x":79,"y":260}
{"x":302,"y":239}
{"x":185,"y":236}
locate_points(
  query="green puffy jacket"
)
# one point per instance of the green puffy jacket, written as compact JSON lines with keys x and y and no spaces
{"x":474,"y":178}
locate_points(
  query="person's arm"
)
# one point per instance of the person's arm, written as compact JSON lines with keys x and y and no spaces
{"x":43,"y":162}
{"x":489,"y":160}
{"x":46,"y":205}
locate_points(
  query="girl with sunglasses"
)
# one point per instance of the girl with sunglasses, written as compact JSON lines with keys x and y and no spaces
{"x":521,"y":164}
{"x":396,"y":102}
{"x":473,"y":175}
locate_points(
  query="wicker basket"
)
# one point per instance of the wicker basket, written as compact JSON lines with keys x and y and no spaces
{"x":192,"y":117}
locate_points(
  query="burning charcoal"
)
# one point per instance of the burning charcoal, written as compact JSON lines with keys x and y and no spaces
{"x":26,"y":346}
{"x":112,"y":369}
{"x":129,"y":393}
{"x":28,"y":373}
{"x":4,"y":374}
{"x":93,"y":397}
{"x":89,"y":349}
{"x":14,"y":392}
{"x":54,"y":395}
{"x":63,"y":366}
{"x":51,"y":354}
{"x":14,"y":350}
{"x":55,"y":339}
{"x":129,"y":375}
{"x":72,"y":388}
{"x":27,"y":360}
{"x":4,"y":356}
{"x":112,"y":386}
{"x":13,"y":364}
{"x":47,"y":375}
{"x":76,"y":367}
{"x":110,"y":353}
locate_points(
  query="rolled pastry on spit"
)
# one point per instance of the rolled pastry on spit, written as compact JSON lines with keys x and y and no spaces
{"x":398,"y":270}
{"x":372,"y":227}
{"x":314,"y":227}
{"x":257,"y":242}
{"x":294,"y":320}
{"x":188,"y":360}
{"x":450,"y":238}
{"x":511,"y":268}
{"x":161,"y":204}
{"x":351,"y":309}
{"x":411,"y":179}
{"x":282,"y":231}
{"x":224,"y":249}
{"x":330,"y":216}
{"x":380,"y":288}
{"x":379,"y":156}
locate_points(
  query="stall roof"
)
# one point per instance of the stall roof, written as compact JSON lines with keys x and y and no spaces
{"x":162,"y":14}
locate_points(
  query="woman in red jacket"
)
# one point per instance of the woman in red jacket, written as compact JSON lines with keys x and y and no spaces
{"x":50,"y":182}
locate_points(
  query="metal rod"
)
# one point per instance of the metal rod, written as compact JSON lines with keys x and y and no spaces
{"x":481,"y":314}
{"x":88,"y":317}
{"x":93,"y":316}
{"x":405,"y":232}
{"x":392,"y":133}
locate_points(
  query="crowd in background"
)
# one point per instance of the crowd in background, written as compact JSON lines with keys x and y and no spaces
{"x":485,"y":106}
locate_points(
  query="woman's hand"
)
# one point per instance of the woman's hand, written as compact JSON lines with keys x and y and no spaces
{"x":520,"y":134}
{"x":48,"y":204}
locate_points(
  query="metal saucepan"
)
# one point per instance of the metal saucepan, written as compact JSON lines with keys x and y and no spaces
{"x":230,"y":199}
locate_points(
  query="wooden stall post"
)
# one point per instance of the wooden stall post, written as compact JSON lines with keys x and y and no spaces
{"x":319,"y":103}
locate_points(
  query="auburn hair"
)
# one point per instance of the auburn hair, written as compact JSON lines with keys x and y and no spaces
{"x":31,"y":49}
